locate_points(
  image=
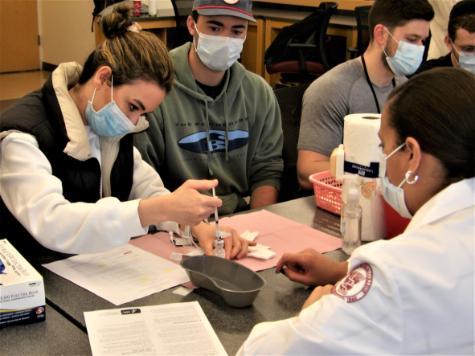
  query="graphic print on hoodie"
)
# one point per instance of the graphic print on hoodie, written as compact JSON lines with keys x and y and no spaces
{"x":214,"y":141}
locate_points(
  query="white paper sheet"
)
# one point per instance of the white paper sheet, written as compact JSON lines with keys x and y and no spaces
{"x":169,"y":329}
{"x":122,"y":274}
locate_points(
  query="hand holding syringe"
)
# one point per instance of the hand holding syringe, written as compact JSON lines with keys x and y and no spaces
{"x":212,"y":238}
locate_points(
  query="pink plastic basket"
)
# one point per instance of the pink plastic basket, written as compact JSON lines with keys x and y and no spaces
{"x":327,"y":191}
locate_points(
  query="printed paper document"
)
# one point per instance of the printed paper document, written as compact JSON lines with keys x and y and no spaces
{"x":122,"y":274}
{"x":169,"y":329}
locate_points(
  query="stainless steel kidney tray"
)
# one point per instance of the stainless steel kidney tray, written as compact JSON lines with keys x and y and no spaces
{"x":236,"y":284}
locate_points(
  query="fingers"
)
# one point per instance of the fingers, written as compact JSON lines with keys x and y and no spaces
{"x":202,"y":208}
{"x":192,"y":219}
{"x":201,"y":184}
{"x":239,"y":249}
{"x":287,"y":258}
{"x":207,"y":204}
{"x":232,"y":246}
{"x":203,"y":205}
{"x":237,"y":244}
{"x":206,"y":235}
{"x":281,"y":263}
{"x":292,"y":275}
{"x":243,"y":250}
{"x":291,"y":265}
{"x":228,"y":242}
{"x":210,"y":204}
{"x":189,"y":206}
{"x":207,"y":246}
{"x":297,"y":274}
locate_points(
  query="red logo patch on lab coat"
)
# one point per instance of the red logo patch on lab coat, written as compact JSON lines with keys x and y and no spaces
{"x":355,"y":285}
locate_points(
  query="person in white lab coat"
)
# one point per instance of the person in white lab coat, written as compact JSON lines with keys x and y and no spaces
{"x":413,"y":294}
{"x":70,"y":179}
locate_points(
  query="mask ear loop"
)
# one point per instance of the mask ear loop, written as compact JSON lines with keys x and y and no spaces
{"x":456,"y":51}
{"x":395,"y":150}
{"x":195,"y":46}
{"x":392,"y":38}
{"x":389,"y":156}
{"x":112,"y":88}
{"x":93,"y":95}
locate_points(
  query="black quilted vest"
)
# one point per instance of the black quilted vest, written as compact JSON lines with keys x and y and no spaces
{"x":39,"y":114}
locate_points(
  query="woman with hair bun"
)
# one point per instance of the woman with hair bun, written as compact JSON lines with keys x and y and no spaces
{"x":70,"y":179}
{"x":413,"y":294}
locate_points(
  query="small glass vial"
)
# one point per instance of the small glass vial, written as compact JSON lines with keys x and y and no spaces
{"x":187,"y":235}
{"x":350,"y":224}
{"x":219,"y":248}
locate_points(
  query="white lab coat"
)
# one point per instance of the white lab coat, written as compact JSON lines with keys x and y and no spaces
{"x":412,"y":294}
{"x":35,"y":197}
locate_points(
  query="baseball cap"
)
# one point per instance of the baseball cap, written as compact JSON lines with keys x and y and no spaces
{"x":236,"y":8}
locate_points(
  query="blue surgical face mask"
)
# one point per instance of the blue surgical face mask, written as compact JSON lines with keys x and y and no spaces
{"x":109,"y":121}
{"x":218,"y":53}
{"x":466,"y":60}
{"x":407,"y":59}
{"x":394,"y":195}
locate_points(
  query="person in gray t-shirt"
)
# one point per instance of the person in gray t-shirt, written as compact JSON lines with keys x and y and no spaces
{"x":397,"y":29}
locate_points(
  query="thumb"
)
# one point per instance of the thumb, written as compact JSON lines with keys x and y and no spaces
{"x":201,"y":184}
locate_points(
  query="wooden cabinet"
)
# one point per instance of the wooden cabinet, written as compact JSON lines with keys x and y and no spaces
{"x":270,"y":20}
{"x":252,"y":56}
{"x":19,"y":49}
{"x":158,"y":25}
{"x":342,"y":4}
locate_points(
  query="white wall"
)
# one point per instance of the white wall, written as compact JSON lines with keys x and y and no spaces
{"x":65,"y":30}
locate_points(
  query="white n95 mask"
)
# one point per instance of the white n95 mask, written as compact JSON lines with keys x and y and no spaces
{"x":109,"y":121}
{"x":466,"y":61}
{"x":394,"y":195}
{"x":407,"y":59}
{"x":218,"y":53}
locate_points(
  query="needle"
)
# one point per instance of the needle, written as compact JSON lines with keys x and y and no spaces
{"x":216,"y":219}
{"x":218,"y":242}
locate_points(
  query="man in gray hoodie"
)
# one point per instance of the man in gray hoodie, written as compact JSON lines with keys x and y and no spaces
{"x":219,"y":120}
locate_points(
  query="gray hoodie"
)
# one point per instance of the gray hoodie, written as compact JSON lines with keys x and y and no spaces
{"x":236,"y":138}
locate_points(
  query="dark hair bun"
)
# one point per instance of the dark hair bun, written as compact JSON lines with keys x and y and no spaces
{"x":115,"y":24}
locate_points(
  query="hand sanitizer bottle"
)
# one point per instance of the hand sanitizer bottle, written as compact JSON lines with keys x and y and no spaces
{"x":350,"y":224}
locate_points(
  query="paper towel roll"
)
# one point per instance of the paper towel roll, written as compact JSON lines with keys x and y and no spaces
{"x":361,"y":143}
{"x":362,"y":157}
